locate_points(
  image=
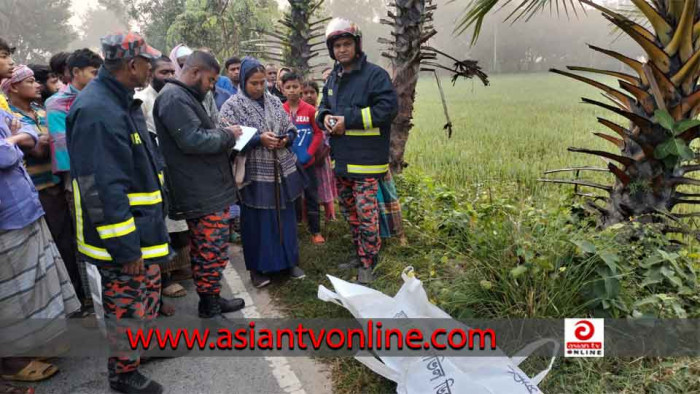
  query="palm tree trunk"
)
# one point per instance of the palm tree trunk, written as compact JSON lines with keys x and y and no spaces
{"x":408,"y":24}
{"x":404,"y":80}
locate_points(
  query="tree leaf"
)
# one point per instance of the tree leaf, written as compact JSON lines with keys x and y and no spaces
{"x":653,"y":277}
{"x":651,"y":261}
{"x":671,"y":276}
{"x":651,"y":300}
{"x":684,"y":125}
{"x":611,"y":260}
{"x":674,"y":147}
{"x":670,"y":162}
{"x":680,"y":311}
{"x":585,"y":246}
{"x":612,"y":287}
{"x":685,"y":152}
{"x":664,"y":119}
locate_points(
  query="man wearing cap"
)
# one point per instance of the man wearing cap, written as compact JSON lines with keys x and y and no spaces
{"x":118,"y":197}
{"x":358,"y":106}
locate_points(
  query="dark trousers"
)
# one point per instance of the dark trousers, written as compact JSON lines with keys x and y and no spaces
{"x":313,"y":215}
{"x":82,"y":269}
{"x":58,"y":218}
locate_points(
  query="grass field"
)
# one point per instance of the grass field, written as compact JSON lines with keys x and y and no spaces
{"x":509,"y":132}
{"x":491,"y":216}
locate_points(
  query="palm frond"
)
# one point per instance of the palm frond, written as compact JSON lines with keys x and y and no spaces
{"x":477,"y":10}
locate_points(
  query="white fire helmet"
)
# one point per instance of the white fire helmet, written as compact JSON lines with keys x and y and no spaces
{"x":339,"y":27}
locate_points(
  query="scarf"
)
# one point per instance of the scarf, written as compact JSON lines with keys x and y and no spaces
{"x":257,"y":190}
{"x":19,"y":74}
{"x":179,"y":51}
{"x":248,"y":64}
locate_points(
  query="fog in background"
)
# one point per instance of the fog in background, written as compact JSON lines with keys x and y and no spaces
{"x":545,"y":41}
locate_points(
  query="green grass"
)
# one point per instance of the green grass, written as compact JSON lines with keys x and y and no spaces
{"x":492,"y":214}
{"x":509,"y":132}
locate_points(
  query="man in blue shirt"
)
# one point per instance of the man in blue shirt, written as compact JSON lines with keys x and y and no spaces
{"x":19,"y":200}
{"x":233,"y":72}
{"x":26,"y":249}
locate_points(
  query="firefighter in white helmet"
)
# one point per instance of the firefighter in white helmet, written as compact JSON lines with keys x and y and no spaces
{"x":359,"y":103}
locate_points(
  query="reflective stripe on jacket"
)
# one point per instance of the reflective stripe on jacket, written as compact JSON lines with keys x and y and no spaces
{"x":366,"y":98}
{"x":119,"y":204}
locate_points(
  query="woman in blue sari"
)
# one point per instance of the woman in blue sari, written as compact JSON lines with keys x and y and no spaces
{"x":272,"y":181}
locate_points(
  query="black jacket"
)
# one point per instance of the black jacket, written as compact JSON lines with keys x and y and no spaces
{"x":366,"y":98}
{"x":198,"y":168}
{"x":117,"y":178}
{"x":276,"y":92}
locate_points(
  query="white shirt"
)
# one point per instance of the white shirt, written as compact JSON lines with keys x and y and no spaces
{"x":148,"y":96}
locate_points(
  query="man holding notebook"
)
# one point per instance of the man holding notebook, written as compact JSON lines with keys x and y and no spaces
{"x":198,"y":175}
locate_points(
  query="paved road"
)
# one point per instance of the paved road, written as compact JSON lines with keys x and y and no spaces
{"x":189,"y":375}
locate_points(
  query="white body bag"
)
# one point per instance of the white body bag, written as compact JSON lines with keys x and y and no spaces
{"x":438,"y":374}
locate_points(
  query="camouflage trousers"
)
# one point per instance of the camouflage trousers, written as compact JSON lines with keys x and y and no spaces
{"x":130,"y":302}
{"x":209,"y":241}
{"x":358,"y":203}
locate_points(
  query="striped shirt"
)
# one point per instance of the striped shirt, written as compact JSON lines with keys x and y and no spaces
{"x":39,"y":169}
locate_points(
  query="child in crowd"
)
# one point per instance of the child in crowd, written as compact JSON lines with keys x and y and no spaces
{"x":309,"y":139}
{"x":325,"y":178}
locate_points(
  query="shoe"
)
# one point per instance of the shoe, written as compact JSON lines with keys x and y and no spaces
{"x":317,"y":239}
{"x":134,"y":383}
{"x":209,"y":306}
{"x":351,"y":264}
{"x":232,"y":305}
{"x":364,"y":275}
{"x":259,"y":280}
{"x":296,"y":273}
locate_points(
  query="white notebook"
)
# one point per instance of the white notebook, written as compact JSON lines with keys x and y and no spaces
{"x":248,"y":133}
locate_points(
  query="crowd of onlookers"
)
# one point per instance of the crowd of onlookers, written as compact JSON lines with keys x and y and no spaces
{"x":136,"y":170}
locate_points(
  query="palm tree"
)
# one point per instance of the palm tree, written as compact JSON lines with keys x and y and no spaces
{"x":660,"y":99}
{"x":411,"y":21}
{"x":299,"y":38}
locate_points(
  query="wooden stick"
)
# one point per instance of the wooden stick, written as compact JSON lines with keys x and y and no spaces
{"x":448,"y":126}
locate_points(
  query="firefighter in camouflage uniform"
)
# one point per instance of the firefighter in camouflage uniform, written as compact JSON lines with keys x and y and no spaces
{"x":119,"y":202}
{"x":359,"y":103}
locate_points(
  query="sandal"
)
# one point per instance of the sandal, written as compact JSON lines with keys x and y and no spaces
{"x":174,"y":290}
{"x":6,"y":388}
{"x":35,"y":371}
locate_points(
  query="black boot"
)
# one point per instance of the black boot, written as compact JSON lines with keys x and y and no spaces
{"x":352,"y":263}
{"x":134,"y":383}
{"x":209,"y":306}
{"x":232,"y":305}
{"x":365,"y":275}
